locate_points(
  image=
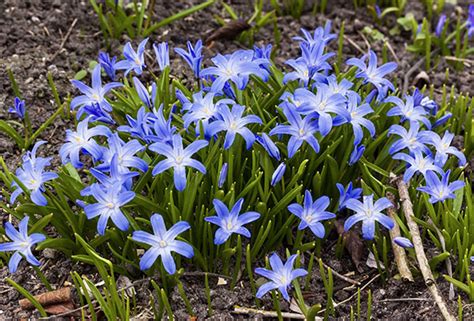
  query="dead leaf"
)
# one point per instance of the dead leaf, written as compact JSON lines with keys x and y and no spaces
{"x":59,"y":308}
{"x":353,"y":244}
{"x":228,"y":31}
{"x":372,"y":263}
{"x":48,"y":298}
{"x":124,"y":282}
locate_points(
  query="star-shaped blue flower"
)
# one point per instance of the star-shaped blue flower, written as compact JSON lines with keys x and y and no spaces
{"x":230,"y":222}
{"x":311,"y":214}
{"x":178,"y":158}
{"x":162,"y":243}
{"x":368,"y":212}
{"x":280,"y":276}
{"x":21,"y":244}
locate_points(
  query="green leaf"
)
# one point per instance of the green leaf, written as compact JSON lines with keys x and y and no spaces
{"x":10,"y":131}
{"x":81,"y":74}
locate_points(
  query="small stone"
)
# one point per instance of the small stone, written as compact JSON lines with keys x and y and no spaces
{"x":49,"y":253}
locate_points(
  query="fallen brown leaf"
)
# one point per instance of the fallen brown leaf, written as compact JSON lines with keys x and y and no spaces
{"x":59,"y":308}
{"x":228,"y":31}
{"x":353,"y":244}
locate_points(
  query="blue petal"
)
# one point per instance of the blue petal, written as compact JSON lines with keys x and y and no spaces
{"x":149,"y":258}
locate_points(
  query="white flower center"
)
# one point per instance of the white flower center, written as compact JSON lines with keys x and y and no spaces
{"x":163,"y":243}
{"x":110,"y":205}
{"x":95,"y":97}
{"x":308,"y":218}
{"x":179,"y":159}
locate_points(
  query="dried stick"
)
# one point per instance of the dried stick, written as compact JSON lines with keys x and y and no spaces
{"x":407,"y":207}
{"x":64,"y":40}
{"x":398,"y":251}
{"x":48,"y":298}
{"x":353,"y":44}
{"x":270,"y":314}
{"x":340,"y":276}
{"x":354,"y":294}
{"x":390,"y":48}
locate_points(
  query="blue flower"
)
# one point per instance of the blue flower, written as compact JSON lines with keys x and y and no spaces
{"x":115,"y":177}
{"x":126,"y":154}
{"x":371,"y":73}
{"x":162,"y":54}
{"x":269,"y":146}
{"x":356,"y":117}
{"x":311,"y":214}
{"x":314,"y":57}
{"x":356,"y":154}
{"x":145,"y":97}
{"x":368,"y":213}
{"x":280,"y":276}
{"x":82,"y":141}
{"x":163,"y":131}
{"x":403,"y":242}
{"x":343,"y":87}
{"x":262,"y":56}
{"x":22,"y":243}
{"x":222,"y":175}
{"x":346,"y":194}
{"x":300,"y":129}
{"x":319,"y":35}
{"x":236,"y":68}
{"x":230,"y":222}
{"x":418,"y":163}
{"x":108,"y":64}
{"x":93,"y":97}
{"x":33,"y":177}
{"x":443,"y":148}
{"x":193,"y":56}
{"x":278,"y":174}
{"x":133,"y":60}
{"x":109,"y":201}
{"x":301,"y":72}
{"x":442,"y":120}
{"x":440,"y":25}
{"x":428,"y":104}
{"x":323,"y":103}
{"x":233,"y":123}
{"x":203,"y":109}
{"x":18,"y":108}
{"x":162,"y":243}
{"x":440,"y":189}
{"x":178,"y":158}
{"x":412,"y":139}
{"x":470,"y":21}
{"x":408,"y":111}
{"x":139,"y":127}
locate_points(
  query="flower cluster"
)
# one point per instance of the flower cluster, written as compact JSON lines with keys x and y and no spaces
{"x":176,"y":146}
{"x":423,"y":151}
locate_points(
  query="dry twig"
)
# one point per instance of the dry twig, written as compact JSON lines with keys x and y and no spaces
{"x":407,"y":207}
{"x":270,"y":314}
{"x":340,"y":276}
{"x":64,"y":40}
{"x":398,"y":252}
{"x":353,"y":44}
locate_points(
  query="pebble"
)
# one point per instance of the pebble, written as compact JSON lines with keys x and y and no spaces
{"x":49,"y":253}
